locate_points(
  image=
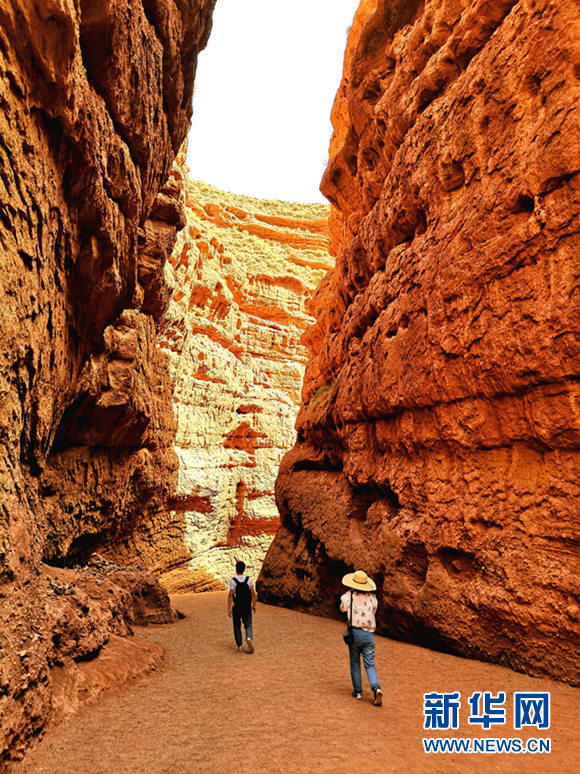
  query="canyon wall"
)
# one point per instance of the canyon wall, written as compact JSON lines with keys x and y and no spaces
{"x":439,"y":431}
{"x":242,"y":276}
{"x":96,"y":101}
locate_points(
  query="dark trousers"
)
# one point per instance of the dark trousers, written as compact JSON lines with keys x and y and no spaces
{"x":238,"y":617}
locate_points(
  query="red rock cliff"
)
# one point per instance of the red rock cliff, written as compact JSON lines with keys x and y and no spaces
{"x":96,"y":100}
{"x":438,"y":438}
{"x":243,"y":273}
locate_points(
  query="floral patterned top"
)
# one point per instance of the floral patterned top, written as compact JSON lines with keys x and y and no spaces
{"x":364,"y":606}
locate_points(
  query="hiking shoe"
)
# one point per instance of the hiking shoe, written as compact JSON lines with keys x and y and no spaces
{"x":357,"y":695}
{"x":250,"y":645}
{"x":239,"y":647}
{"x":378,"y":700}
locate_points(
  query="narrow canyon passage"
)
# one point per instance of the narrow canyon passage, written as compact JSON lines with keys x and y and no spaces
{"x":189,"y":377}
{"x":287,"y":707}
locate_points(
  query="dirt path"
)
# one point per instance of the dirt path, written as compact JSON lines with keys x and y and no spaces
{"x":287,"y":708}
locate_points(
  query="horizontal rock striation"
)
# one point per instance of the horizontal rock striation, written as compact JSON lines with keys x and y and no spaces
{"x":438,"y":438}
{"x":243,"y":273}
{"x":96,"y":101}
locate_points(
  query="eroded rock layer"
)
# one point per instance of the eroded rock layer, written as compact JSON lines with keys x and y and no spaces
{"x":96,"y":101}
{"x":243,"y":273}
{"x":438,"y":438}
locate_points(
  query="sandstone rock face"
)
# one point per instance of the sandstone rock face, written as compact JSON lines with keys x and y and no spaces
{"x":243,"y":272}
{"x":71,"y":619}
{"x":96,"y":101}
{"x":438,"y":438}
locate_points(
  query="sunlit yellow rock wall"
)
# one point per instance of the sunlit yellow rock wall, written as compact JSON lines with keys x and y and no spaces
{"x":242,"y":275}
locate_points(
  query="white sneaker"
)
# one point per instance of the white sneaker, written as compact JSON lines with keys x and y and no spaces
{"x":378,"y":700}
{"x":250,"y":645}
{"x":239,"y":647}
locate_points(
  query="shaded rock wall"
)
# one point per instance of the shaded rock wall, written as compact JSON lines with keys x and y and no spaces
{"x":438,"y":438}
{"x":243,"y":272}
{"x":96,"y":100}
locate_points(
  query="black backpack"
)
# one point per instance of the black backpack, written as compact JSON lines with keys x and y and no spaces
{"x":242,"y":596}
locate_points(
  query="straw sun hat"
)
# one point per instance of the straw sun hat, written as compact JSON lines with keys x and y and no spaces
{"x":359,"y":581}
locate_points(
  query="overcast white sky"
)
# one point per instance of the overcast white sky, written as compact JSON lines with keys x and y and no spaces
{"x":264,"y":89}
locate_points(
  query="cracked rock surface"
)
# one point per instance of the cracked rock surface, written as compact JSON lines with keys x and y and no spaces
{"x":96,"y":101}
{"x":242,"y":274}
{"x":438,"y":437}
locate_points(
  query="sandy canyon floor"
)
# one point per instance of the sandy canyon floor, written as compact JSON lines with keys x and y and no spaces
{"x":288,"y":708}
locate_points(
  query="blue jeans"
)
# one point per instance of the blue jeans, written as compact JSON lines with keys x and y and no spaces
{"x":237,"y":618}
{"x":364,"y":644}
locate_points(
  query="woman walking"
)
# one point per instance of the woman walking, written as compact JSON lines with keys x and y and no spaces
{"x":360,"y":604}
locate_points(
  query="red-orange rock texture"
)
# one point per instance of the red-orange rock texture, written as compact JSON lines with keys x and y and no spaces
{"x":242,"y":274}
{"x":438,"y":438}
{"x":96,"y":101}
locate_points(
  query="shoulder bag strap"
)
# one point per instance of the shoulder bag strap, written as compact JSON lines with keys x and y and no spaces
{"x":350,"y":617}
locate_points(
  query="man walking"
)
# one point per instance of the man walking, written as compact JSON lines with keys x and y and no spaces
{"x":241,"y":602}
